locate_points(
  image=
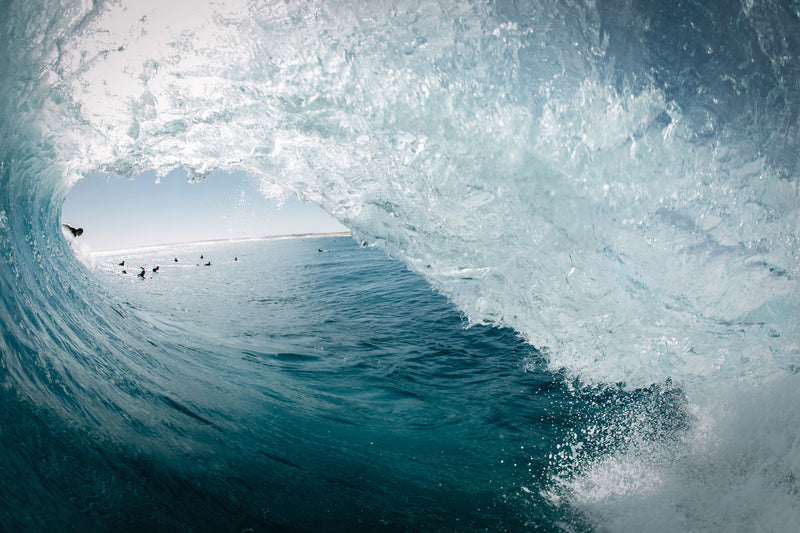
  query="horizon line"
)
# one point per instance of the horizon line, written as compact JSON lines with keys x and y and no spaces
{"x":224,"y":240}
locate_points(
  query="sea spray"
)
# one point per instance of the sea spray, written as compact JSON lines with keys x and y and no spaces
{"x":726,"y":461}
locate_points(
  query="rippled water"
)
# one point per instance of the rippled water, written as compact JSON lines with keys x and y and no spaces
{"x":307,"y":384}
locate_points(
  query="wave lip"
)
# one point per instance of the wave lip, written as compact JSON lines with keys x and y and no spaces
{"x":645,"y":218}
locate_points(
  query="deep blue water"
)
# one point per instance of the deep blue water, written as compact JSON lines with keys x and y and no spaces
{"x":333,"y":390}
{"x":297,"y":384}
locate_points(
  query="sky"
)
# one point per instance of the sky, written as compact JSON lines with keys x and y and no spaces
{"x":121,"y":213}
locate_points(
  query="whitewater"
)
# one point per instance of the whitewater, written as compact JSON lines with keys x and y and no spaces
{"x":612,"y":188}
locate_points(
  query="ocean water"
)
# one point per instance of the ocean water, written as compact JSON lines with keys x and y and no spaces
{"x":570,"y":302}
{"x":334,"y":390}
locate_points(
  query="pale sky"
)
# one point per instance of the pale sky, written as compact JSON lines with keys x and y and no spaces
{"x":119,"y":213}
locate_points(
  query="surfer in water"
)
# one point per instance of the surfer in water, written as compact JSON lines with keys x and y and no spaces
{"x":76,"y":232}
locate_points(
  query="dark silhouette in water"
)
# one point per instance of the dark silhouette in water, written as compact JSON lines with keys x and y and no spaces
{"x":208,"y":264}
{"x":141,"y":274}
{"x":124,"y":271}
{"x":122,"y":264}
{"x":235,"y":258}
{"x":201,"y":256}
{"x":176,"y":259}
{"x":155,"y":269}
{"x":76,"y":232}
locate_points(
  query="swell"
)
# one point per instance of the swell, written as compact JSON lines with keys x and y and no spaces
{"x":619,"y":185}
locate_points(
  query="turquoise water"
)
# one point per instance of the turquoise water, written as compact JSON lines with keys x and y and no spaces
{"x":344,"y":391}
{"x":287,"y":387}
{"x":582,"y":224}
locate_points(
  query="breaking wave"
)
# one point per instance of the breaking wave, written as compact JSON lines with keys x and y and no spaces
{"x":618,"y":182}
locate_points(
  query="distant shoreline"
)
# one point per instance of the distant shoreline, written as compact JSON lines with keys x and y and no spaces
{"x":221,"y":241}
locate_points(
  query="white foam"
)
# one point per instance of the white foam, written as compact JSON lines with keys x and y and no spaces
{"x":81,"y":250}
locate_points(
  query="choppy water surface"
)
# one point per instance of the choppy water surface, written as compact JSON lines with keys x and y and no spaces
{"x":313,"y":384}
{"x":358,"y":389}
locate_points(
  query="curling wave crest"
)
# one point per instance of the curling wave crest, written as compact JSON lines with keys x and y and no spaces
{"x":637,"y":228}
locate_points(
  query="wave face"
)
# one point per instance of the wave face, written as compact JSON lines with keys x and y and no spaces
{"x":618,"y":182}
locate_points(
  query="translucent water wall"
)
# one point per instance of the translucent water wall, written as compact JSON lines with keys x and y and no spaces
{"x":618,"y":185}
